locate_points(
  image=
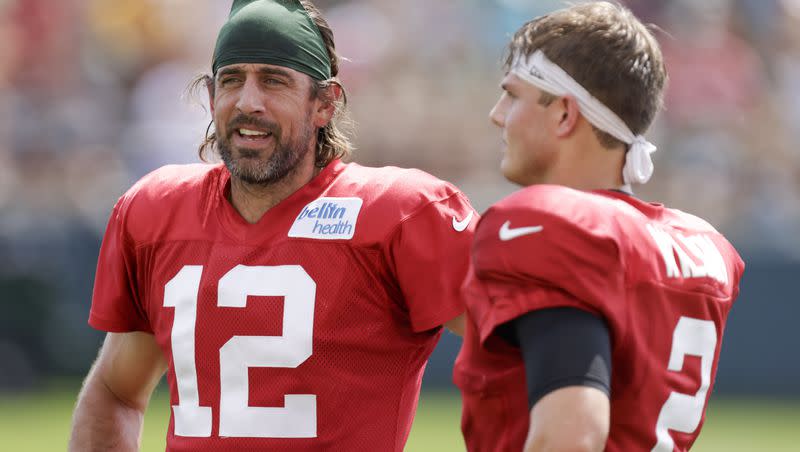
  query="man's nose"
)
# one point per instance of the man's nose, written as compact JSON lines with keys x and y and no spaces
{"x":251,"y":99}
{"x":497,"y":116}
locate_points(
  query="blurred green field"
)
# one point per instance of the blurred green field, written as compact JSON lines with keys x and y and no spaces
{"x":39,"y":422}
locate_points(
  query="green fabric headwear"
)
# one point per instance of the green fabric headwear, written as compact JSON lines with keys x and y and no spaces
{"x":278,"y":32}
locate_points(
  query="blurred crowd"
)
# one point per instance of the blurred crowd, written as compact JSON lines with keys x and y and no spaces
{"x":93,"y":96}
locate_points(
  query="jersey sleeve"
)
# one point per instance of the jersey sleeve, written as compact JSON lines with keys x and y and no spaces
{"x":430,"y":255}
{"x":527,"y":259}
{"x":115,"y":305}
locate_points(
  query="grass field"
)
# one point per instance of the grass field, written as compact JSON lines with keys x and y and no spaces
{"x":39,"y":422}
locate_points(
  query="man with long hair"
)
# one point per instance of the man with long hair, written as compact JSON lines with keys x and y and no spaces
{"x":292,"y":299}
{"x":595,"y":318}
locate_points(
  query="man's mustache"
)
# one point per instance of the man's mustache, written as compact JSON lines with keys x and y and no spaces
{"x":244,"y":121}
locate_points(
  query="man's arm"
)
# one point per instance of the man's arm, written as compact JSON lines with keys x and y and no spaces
{"x":573,"y":418}
{"x":111,"y":405}
{"x":567,"y":355}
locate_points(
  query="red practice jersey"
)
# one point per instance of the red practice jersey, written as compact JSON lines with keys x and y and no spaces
{"x":308,"y":330}
{"x":662,"y":280}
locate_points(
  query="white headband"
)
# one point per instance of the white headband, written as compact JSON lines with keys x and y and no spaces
{"x":548,"y":76}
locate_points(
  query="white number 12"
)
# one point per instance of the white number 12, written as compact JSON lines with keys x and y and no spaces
{"x":682,"y":412}
{"x":298,"y":418}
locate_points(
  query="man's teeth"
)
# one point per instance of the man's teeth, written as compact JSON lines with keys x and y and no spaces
{"x":248,"y":132}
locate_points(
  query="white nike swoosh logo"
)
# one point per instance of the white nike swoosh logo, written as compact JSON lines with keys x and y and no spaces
{"x":461,"y":225}
{"x":506,"y":233}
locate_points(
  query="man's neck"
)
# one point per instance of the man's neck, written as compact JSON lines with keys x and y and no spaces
{"x":252,"y":201}
{"x":588,"y":166}
{"x":588,"y":182}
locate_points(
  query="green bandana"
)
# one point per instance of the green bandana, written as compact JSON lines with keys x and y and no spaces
{"x":278,"y":32}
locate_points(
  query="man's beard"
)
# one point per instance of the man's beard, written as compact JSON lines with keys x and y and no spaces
{"x":284,"y":160}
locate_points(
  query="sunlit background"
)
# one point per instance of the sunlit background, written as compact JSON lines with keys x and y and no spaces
{"x":92,"y":98}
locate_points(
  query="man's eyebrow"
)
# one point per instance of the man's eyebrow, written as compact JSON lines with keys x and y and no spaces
{"x":235,"y":70}
{"x":229,"y":71}
{"x":274,"y":71}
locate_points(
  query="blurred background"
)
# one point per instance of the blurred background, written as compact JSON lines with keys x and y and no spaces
{"x":92,"y":97}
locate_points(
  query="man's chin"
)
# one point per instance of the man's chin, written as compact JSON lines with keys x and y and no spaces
{"x":251,"y":154}
{"x":250,"y":177}
{"x":512,"y":173}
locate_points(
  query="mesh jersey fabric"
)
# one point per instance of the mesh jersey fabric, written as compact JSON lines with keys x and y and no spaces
{"x":610,"y":254}
{"x":348,"y":322}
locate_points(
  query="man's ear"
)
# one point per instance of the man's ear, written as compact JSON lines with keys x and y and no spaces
{"x":569,"y":113}
{"x":328,"y":99}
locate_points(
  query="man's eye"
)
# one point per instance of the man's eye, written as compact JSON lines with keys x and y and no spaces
{"x":273,"y":81}
{"x":229,"y":80}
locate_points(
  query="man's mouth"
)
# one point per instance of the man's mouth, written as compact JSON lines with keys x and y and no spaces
{"x":251,"y":134}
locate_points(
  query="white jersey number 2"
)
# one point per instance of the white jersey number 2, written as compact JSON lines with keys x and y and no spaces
{"x":682,"y":412}
{"x":298,"y":417}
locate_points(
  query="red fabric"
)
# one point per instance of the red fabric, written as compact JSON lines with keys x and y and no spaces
{"x":594,"y":252}
{"x":380,"y":296}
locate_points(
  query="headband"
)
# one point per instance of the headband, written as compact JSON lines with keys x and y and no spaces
{"x":539,"y":71}
{"x":278,"y":32}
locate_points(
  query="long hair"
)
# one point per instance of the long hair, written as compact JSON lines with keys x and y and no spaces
{"x":333,"y":141}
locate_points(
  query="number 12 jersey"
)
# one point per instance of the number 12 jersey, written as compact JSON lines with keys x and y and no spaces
{"x":308,"y":330}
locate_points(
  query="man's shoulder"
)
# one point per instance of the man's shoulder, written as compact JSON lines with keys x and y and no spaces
{"x":566,"y":211}
{"x":172,"y":180}
{"x":545,"y":228}
{"x":547,"y":238}
{"x":397,"y":181}
{"x":685,"y":220}
{"x":392,"y":200}
{"x":402,"y":190}
{"x":167,"y":192}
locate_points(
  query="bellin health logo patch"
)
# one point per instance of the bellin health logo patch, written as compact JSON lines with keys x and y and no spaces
{"x":327,"y":218}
